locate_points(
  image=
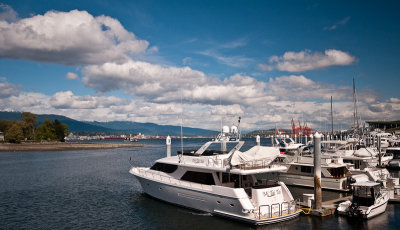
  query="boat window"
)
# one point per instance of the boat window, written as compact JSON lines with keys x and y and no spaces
{"x":199,"y":177}
{"x":306,"y":169}
{"x":338,"y":172}
{"x":363,"y":196}
{"x":167,"y":168}
{"x":228,"y":178}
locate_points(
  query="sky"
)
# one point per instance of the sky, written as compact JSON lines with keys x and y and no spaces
{"x":202,"y":63}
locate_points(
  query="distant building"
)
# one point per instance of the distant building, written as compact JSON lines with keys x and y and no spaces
{"x":384,"y":125}
{"x":1,"y":136}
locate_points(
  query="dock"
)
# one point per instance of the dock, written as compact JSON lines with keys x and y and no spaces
{"x":329,"y":206}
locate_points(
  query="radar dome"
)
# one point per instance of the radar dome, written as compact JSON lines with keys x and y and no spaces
{"x":225,"y":129}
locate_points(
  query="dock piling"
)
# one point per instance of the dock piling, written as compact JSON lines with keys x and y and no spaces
{"x":168,"y":142}
{"x":317,"y":171}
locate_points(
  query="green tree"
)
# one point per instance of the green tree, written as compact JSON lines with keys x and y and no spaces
{"x":5,"y":125}
{"x":46,"y":131}
{"x":29,"y":125}
{"x":15,"y":133}
{"x":61,"y":130}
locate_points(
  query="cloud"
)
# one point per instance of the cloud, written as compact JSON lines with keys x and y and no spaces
{"x":153,"y":49}
{"x":72,"y":76}
{"x":234,"y":44}
{"x":165,"y":84}
{"x":305,"y":60}
{"x":339,"y":23}
{"x":261,"y":113}
{"x":8,"y":89}
{"x":218,"y":52}
{"x":7,"y":13}
{"x":70,"y":38}
{"x":232,"y":61}
{"x":186,"y":60}
{"x":294,"y":87}
{"x":67,"y":100}
{"x":140,"y":78}
{"x":103,"y":47}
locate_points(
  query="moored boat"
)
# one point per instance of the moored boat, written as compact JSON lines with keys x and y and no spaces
{"x":222,"y":183}
{"x":368,"y":200}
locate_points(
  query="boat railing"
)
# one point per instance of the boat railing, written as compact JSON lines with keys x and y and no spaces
{"x":259,"y":164}
{"x":284,"y":208}
{"x":171,"y":180}
{"x":218,"y":163}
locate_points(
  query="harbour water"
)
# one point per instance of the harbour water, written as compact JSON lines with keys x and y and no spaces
{"x":93,"y":189}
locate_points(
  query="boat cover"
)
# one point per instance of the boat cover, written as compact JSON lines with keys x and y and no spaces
{"x":255,"y":154}
{"x":365,"y":152}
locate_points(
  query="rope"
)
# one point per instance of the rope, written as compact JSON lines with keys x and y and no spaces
{"x":306,"y":212}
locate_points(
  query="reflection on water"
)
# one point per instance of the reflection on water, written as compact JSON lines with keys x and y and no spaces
{"x":94,"y":190}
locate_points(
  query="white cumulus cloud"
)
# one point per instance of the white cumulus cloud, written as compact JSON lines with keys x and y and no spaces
{"x":305,"y":60}
{"x":70,"y":38}
{"x":71,"y":76}
{"x":7,"y":13}
{"x":8,"y":89}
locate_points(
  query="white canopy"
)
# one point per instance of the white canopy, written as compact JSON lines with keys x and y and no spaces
{"x":365,"y":152}
{"x":255,"y":155}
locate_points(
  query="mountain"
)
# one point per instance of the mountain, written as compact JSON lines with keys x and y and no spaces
{"x":113,"y":126}
{"x":153,"y":129}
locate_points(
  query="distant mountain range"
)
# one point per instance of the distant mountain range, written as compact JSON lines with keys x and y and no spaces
{"x":113,"y":127}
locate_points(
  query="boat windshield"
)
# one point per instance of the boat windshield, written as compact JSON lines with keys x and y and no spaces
{"x":211,"y":149}
{"x":365,"y":195}
{"x":395,"y":152}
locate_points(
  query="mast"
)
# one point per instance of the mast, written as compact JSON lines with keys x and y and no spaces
{"x":356,"y":125}
{"x":180,"y":155}
{"x":332,"y":115}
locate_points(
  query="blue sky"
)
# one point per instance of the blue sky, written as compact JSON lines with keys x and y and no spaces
{"x":266,"y":61}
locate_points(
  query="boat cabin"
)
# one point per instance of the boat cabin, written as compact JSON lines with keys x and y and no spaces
{"x":365,"y":193}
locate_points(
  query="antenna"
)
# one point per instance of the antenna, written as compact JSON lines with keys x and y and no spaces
{"x":220,"y":106}
{"x":239,"y":131}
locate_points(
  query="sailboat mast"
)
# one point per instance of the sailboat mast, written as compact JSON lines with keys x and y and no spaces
{"x":180,"y":155}
{"x":332,"y":115}
{"x":356,"y":125}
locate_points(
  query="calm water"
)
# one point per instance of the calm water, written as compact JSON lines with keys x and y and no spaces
{"x":94,"y":190}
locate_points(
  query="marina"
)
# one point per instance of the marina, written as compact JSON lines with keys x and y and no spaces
{"x":93,"y":189}
{"x":199,"y":115}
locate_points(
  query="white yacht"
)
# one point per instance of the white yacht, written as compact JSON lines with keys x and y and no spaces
{"x":368,"y":200}
{"x":334,"y":173}
{"x":362,"y":162}
{"x":222,"y":183}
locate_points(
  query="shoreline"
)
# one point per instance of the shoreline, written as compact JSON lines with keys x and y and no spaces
{"x":61,"y":146}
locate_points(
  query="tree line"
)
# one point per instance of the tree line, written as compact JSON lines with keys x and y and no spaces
{"x":26,"y":130}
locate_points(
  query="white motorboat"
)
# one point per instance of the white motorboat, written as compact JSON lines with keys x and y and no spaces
{"x":368,"y":200}
{"x":288,"y":145}
{"x":334,"y":173}
{"x":360,"y":157}
{"x":222,"y":183}
{"x":362,"y":162}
